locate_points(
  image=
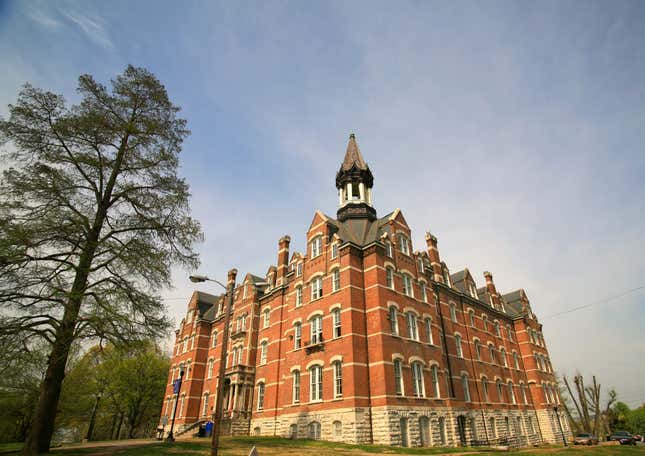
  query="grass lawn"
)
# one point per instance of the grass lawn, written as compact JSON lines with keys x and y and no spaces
{"x":269,"y":446}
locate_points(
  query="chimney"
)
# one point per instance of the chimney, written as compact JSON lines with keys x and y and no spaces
{"x":283,"y":258}
{"x":490,"y":286}
{"x":433,"y":253}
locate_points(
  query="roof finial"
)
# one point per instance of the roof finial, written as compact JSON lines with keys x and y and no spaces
{"x":352,"y":136}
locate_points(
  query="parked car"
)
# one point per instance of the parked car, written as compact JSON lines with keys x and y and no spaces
{"x":624,"y":437}
{"x":584,"y":438}
{"x":639,"y":438}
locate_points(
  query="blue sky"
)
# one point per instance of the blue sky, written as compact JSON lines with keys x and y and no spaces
{"x":514,"y":131}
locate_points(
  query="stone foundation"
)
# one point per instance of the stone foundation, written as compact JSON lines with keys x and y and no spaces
{"x":554,"y":425}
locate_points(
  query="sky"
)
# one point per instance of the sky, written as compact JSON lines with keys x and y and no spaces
{"x":513,"y":131}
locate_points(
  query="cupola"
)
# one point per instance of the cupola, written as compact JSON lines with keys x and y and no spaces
{"x":354,"y":182}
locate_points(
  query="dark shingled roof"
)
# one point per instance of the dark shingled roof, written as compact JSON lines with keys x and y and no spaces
{"x":206,"y":305}
{"x":353,"y":157}
{"x":458,"y":280}
{"x":360,"y":232}
{"x":513,"y":302}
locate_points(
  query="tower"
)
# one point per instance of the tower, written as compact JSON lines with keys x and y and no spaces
{"x":354,"y":182}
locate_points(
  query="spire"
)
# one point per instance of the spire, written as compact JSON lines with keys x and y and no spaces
{"x":353,"y":156}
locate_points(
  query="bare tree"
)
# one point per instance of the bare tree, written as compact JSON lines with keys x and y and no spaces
{"x":590,"y":416}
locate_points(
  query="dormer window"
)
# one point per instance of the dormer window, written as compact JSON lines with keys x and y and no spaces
{"x":421,"y":268}
{"x":472,"y":290}
{"x":404,"y":245}
{"x":388,"y":249}
{"x":299,"y":269}
{"x":446,"y":277}
{"x":316,"y":246}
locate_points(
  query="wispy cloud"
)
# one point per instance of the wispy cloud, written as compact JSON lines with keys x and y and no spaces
{"x":43,"y":18}
{"x":91,"y":26}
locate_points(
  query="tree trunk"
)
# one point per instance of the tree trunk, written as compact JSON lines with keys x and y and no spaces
{"x":118,"y":428}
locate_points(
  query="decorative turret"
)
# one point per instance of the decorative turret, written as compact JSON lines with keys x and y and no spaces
{"x":354,"y":182}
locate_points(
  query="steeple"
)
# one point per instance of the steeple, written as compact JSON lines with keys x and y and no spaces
{"x":354,"y":182}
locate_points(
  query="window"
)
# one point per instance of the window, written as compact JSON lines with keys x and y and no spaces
{"x":316,"y":329}
{"x":263,"y":352}
{"x":297,"y":336}
{"x":435,"y":381}
{"x":315,"y":383}
{"x":424,"y":293}
{"x":498,"y":333}
{"x":334,"y":250}
{"x":429,"y":330}
{"x":337,"y":429}
{"x":442,"y":431}
{"x":298,"y":296}
{"x":389,"y":276}
{"x":516,"y":360}
{"x":398,"y":377}
{"x":407,"y":285}
{"x":314,"y":430}
{"x":453,"y":313}
{"x":420,"y":265}
{"x":185,"y":344}
{"x":267,"y":317}
{"x":295,"y":392}
{"x":511,"y":392}
{"x":460,"y":351}
{"x":388,"y":249}
{"x":524,"y":397}
{"x":316,"y":246}
{"x":417,"y":379}
{"x":214,"y":339}
{"x":493,"y":356}
{"x":394,"y":324}
{"x":471,"y":318}
{"x":413,"y":332}
{"x":500,"y":391}
{"x":205,"y":406}
{"x":316,"y":288}
{"x":509,"y":332}
{"x":464,"y":385}
{"x":404,"y":246}
{"x":338,"y":379}
{"x":502,"y":354}
{"x":446,"y":277}
{"x":472,"y":289}
{"x":335,"y":318}
{"x":211,"y":362}
{"x":335,"y":280}
{"x":260,"y":396}
{"x":478,"y":350}
{"x":299,"y":269}
{"x":492,"y":426}
{"x":485,"y":388}
{"x":485,"y":322}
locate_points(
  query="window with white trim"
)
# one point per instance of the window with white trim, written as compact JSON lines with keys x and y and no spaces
{"x":511,"y":392}
{"x":429,"y":338}
{"x":424,"y":293}
{"x":394,"y":323}
{"x":472,"y":290}
{"x":493,"y":355}
{"x":471,"y":317}
{"x":524,"y":396}
{"x":460,"y":350}
{"x":316,"y":329}
{"x":417,"y":379}
{"x":420,"y":265}
{"x":413,"y":331}
{"x":389,"y":276}
{"x":263,"y":352}
{"x":485,"y":388}
{"x":516,"y":360}
{"x":205,"y":404}
{"x":446,"y":277}
{"x":214,"y":339}
{"x":295,"y":390}
{"x":334,"y":250}
{"x":407,"y":285}
{"x":297,"y":335}
{"x":335,"y":280}
{"x":404,"y":245}
{"x":509,"y":331}
{"x":498,"y":332}
{"x":315,"y":383}
{"x":338,"y":379}
{"x":453,"y":313}
{"x":500,"y":391}
{"x":267,"y":317}
{"x":261,"y":396}
{"x":478,"y":350}
{"x":316,"y":288}
{"x":335,"y":320}
{"x":299,"y":269}
{"x":502,"y":354}
{"x":388,"y":249}
{"x":316,"y":246}
{"x":298,"y":296}
{"x":434,"y":373}
{"x":211,"y":363}
{"x":398,"y":377}
{"x":465,"y":387}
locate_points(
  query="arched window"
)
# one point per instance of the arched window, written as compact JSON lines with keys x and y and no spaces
{"x":398,"y":377}
{"x":335,"y":280}
{"x":214,"y":339}
{"x":478,"y":350}
{"x":314,"y":430}
{"x":389,"y":276}
{"x":428,"y":322}
{"x":493,"y":355}
{"x":497,"y":330}
{"x":435,"y":381}
{"x":404,"y":245}
{"x":211,"y":362}
{"x":337,"y":429}
{"x":295,"y":390}
{"x":511,"y":392}
{"x":485,"y":322}
{"x":500,"y":391}
{"x":464,"y":385}
{"x":316,"y":288}
{"x":424,"y":293}
{"x":471,"y":317}
{"x":523,"y":390}
{"x":315,"y":383}
{"x":516,"y":360}
{"x":293,"y":431}
{"x":485,"y":388}
{"x":297,"y":335}
{"x":335,"y":320}
{"x":263,"y":352}
{"x":417,"y":379}
{"x":424,"y":431}
{"x":407,"y":286}
{"x":413,"y":331}
{"x":502,"y":354}
{"x":394,"y":324}
{"x":509,"y":332}
{"x":453,"y":313}
{"x":338,"y":379}
{"x":261,"y":388}
{"x":316,"y":246}
{"x":205,"y":404}
{"x":267,"y":317}
{"x":460,"y":351}
{"x":316,"y":329}
{"x":298,"y":296}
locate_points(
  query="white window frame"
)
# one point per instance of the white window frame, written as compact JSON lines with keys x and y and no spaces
{"x":335,"y":280}
{"x":315,"y":383}
{"x":466,"y":387}
{"x":316,"y":288}
{"x":298,"y":296}
{"x":511,"y":392}
{"x":398,"y":377}
{"x":434,"y":375}
{"x":297,"y":335}
{"x":424,"y":293}
{"x":388,"y":249}
{"x":316,"y":247}
{"x":295,"y":388}
{"x":413,"y":329}
{"x":407,"y":286}
{"x":261,"y":393}
{"x":336,"y":328}
{"x":267,"y":318}
{"x":453,"y":313}
{"x":418,"y":387}
{"x":263,"y":352}
{"x":389,"y":277}
{"x":334,"y":250}
{"x":316,"y":329}
{"x":338,"y":379}
{"x":394,"y":320}
{"x":458,"y":346}
{"x":403,"y":244}
{"x":429,"y":337}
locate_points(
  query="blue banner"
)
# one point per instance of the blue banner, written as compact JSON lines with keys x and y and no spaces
{"x":176,"y":386}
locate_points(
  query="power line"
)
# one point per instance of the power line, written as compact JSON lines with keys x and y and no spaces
{"x":602,"y":301}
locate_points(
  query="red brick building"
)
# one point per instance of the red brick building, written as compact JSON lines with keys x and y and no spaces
{"x":363,"y":339}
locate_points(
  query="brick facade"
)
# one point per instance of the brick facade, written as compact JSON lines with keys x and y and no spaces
{"x":362,"y":339}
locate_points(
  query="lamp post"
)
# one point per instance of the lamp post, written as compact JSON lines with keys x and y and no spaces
{"x":176,"y":390}
{"x":564,"y":440}
{"x":217,"y":418}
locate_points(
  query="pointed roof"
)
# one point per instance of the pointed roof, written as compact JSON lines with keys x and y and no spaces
{"x":353,"y":157}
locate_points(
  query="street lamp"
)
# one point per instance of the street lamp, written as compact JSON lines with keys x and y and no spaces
{"x":217,"y":418}
{"x":176,"y":390}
